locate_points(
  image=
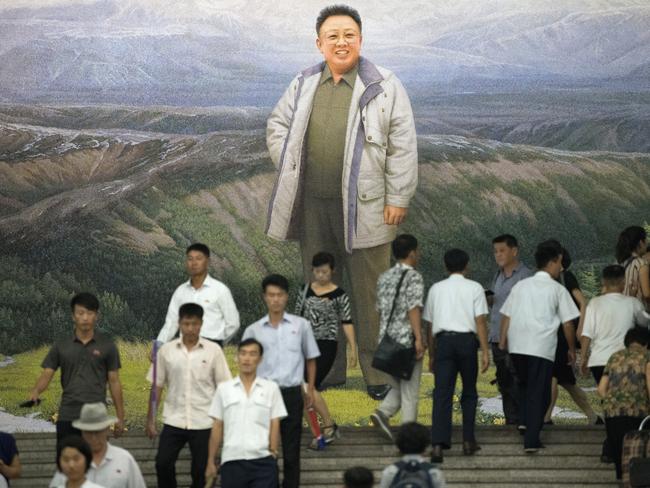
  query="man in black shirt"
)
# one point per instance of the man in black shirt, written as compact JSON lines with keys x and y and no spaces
{"x":88,"y":361}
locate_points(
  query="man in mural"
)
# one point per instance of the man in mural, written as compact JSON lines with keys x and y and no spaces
{"x":343,"y":139}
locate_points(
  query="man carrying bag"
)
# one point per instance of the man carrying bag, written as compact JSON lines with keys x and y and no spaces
{"x":400,"y":291}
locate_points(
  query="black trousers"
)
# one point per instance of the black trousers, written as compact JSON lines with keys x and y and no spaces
{"x":617,"y":427}
{"x":291,"y":431}
{"x":64,"y":428}
{"x":252,"y":473}
{"x":455,"y":353}
{"x":172,"y":440}
{"x":507,"y":383}
{"x":597,"y":373}
{"x":534,"y":382}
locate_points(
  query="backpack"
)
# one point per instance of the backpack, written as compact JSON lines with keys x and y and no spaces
{"x":412,"y":474}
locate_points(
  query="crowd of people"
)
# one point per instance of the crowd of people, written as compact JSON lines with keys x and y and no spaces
{"x":235,"y":426}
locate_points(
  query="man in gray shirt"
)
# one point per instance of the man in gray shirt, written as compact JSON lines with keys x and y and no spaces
{"x":511,"y":271}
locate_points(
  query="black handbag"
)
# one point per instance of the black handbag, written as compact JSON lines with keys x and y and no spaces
{"x":392,"y":357}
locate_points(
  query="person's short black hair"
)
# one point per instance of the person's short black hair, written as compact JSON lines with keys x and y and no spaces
{"x":86,"y":300}
{"x":544,"y":254}
{"x":403,"y":245}
{"x":628,"y":241}
{"x":339,"y":9}
{"x":76,"y":442}
{"x":456,"y":260}
{"x":321,"y":258}
{"x":197,"y":246}
{"x":188,"y":310}
{"x":275,"y":280}
{"x":613,"y":274}
{"x":358,"y":477}
{"x":248,"y":342}
{"x":508,"y":239}
{"x":637,"y":335}
{"x":412,"y":438}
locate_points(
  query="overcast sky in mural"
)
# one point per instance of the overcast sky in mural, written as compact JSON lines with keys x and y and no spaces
{"x":58,"y":47}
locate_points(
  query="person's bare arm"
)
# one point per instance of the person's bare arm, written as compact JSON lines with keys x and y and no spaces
{"x":567,"y":328}
{"x":604,"y":385}
{"x":431,"y":345}
{"x":311,"y":382}
{"x":348,"y":330}
{"x":42,"y":383}
{"x":115,"y":387}
{"x":582,"y":305}
{"x":216,"y":439}
{"x":644,"y":278}
{"x":482,"y":331}
{"x":13,"y":470}
{"x":505,"y":325}
{"x":152,"y":413}
{"x":415,"y":319}
{"x":585,"y":342}
{"x":274,"y":437}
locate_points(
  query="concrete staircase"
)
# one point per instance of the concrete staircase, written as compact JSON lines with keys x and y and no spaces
{"x":571,"y":459}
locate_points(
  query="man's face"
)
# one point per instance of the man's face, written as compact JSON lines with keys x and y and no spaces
{"x":197,"y":263}
{"x":504,"y":255}
{"x":84,"y":319}
{"x":275,"y":298}
{"x":248,"y":357}
{"x":97,"y":440}
{"x":339,"y":40}
{"x":190,"y":328}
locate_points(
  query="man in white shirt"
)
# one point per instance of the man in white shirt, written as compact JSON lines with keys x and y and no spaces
{"x":190,"y":367}
{"x":530,"y":318}
{"x":290,"y":350}
{"x":607,"y":320}
{"x":112,"y":466}
{"x":456,"y":311}
{"x":247,"y":411}
{"x":220,"y":315}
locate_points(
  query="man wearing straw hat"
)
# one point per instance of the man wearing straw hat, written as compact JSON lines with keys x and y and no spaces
{"x":112,"y":466}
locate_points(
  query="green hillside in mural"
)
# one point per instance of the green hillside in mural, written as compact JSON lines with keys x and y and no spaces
{"x":111,"y":209}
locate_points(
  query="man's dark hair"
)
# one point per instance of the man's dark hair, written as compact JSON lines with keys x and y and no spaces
{"x":403,"y":245}
{"x":275,"y":280}
{"x":628,"y":241}
{"x":456,"y":260}
{"x":248,"y":342}
{"x":412,"y":438}
{"x":336,"y":10}
{"x":188,"y":310}
{"x":566,"y":259}
{"x":637,"y":335}
{"x":76,"y":442}
{"x":358,"y":477}
{"x":613,"y":274}
{"x":508,"y":239}
{"x":86,"y":300}
{"x":322,"y":258}
{"x":545,"y":254}
{"x":197,"y":246}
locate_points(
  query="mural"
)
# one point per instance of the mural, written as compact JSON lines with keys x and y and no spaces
{"x":131,"y":128}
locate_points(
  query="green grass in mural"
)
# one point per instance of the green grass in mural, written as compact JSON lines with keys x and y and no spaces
{"x":350,"y":405}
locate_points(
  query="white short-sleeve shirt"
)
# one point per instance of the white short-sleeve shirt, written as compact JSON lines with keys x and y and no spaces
{"x":536,"y":308}
{"x":118,"y":469}
{"x":246,"y":417}
{"x":453,"y":304}
{"x":607,"y":320}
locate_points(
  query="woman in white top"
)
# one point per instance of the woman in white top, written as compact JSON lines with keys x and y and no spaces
{"x":73,"y":458}
{"x":630,"y":250}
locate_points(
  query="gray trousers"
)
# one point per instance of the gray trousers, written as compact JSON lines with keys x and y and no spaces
{"x":404,"y":396}
{"x":322,"y":230}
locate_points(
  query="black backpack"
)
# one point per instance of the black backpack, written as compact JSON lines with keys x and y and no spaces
{"x":412,"y":474}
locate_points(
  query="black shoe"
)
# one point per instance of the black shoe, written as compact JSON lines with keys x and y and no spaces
{"x":521,"y":429}
{"x":378,"y":392}
{"x":436,"y":454}
{"x":469,"y":448}
{"x":548,"y":422}
{"x":599,"y":420}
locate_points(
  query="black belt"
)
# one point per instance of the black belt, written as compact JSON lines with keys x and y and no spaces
{"x":452,"y":333}
{"x":290,"y":388}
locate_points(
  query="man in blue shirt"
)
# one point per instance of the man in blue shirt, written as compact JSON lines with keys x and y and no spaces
{"x":289,"y":345}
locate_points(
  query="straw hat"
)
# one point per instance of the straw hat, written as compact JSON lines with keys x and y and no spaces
{"x":93,"y":417}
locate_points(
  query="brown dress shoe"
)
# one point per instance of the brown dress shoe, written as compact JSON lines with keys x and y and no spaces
{"x":469,"y":448}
